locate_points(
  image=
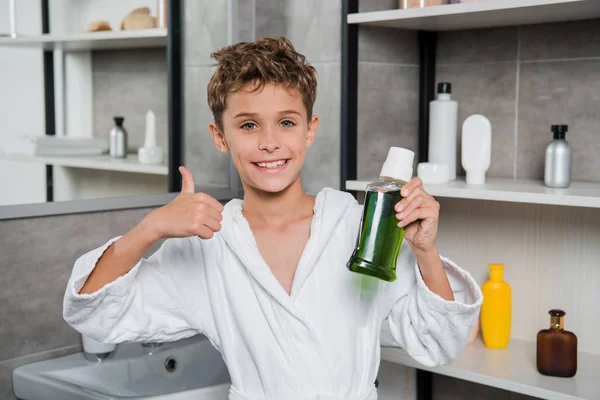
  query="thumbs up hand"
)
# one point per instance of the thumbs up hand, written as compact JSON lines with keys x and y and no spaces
{"x":188,"y":214}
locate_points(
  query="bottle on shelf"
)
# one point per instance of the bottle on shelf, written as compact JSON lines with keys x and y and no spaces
{"x":496,"y":310}
{"x":476,"y":148}
{"x":118,"y":139}
{"x":443,"y":117}
{"x":557,"y":169}
{"x":556,"y":348}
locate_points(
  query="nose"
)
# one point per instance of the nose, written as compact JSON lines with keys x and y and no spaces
{"x":269,"y":140}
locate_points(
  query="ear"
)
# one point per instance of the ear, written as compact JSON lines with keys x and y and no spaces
{"x":218,"y":138}
{"x":311,"y":134}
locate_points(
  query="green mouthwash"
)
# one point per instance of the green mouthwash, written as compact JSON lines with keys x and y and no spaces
{"x":379,"y":238}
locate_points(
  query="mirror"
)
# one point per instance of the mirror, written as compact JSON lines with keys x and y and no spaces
{"x":73,"y":83}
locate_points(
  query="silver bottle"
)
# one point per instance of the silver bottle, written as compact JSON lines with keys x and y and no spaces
{"x":118,"y":139}
{"x":557,"y":173}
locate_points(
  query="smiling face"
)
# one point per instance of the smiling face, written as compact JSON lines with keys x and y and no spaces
{"x":267,"y":132}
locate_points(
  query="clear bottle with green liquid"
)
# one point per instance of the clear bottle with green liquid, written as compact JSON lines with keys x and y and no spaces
{"x":379,"y":238}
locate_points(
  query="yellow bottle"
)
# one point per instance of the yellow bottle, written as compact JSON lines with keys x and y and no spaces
{"x":496,"y":311}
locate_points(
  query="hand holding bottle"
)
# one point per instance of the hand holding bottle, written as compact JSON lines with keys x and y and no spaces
{"x":418,"y":214}
{"x":189,"y":214}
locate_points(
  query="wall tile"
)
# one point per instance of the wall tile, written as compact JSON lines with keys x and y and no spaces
{"x":489,"y":90}
{"x":205,"y":30}
{"x":131,"y":95}
{"x":312,"y":26}
{"x":246,"y":20}
{"x":7,"y":367}
{"x":207,"y":164}
{"x":37,"y":258}
{"x":271,"y":18}
{"x":387,"y":113}
{"x":328,"y":103}
{"x":477,"y":46}
{"x":377,"y":5}
{"x":139,"y":61}
{"x":387,"y":45}
{"x":559,"y":93}
{"x":322,"y":165}
{"x":561,"y":40}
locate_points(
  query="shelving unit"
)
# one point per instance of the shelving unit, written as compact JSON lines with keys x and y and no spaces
{"x":68,"y":99}
{"x":512,"y":369}
{"x":87,"y":41}
{"x":104,"y":162}
{"x":485,"y":14}
{"x":580,"y":194}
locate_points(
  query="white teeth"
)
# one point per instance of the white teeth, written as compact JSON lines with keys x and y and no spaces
{"x":271,"y":164}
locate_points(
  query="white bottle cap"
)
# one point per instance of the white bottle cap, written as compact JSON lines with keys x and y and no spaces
{"x":399,"y":164}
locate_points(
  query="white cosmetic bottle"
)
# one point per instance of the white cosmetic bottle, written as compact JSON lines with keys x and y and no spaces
{"x":443,"y":124}
{"x":150,"y":153}
{"x":476,"y":148}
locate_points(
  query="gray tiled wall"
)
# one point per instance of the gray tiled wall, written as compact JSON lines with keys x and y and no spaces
{"x":36,"y":259}
{"x":525,"y":79}
{"x":205,"y":31}
{"x":129,"y":83}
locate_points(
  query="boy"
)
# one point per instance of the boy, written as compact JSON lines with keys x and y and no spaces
{"x":265,"y":278}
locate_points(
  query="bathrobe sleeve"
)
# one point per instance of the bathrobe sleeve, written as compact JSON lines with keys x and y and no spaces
{"x":161,"y":299}
{"x":432,"y":330}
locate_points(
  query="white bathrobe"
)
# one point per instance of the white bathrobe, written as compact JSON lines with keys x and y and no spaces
{"x":320,"y":342}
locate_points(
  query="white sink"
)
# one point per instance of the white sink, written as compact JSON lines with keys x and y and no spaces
{"x":184,"y":370}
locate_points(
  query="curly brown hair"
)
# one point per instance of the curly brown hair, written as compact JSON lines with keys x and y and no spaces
{"x":267,"y":60}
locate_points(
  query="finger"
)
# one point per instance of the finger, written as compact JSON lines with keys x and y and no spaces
{"x":411,"y":186}
{"x":187,"y":180}
{"x":210,"y":212}
{"x":212,"y":224}
{"x":419,"y":214}
{"x":209,"y":201}
{"x":403,"y":204}
{"x":204,"y":232}
{"x":417,"y":201}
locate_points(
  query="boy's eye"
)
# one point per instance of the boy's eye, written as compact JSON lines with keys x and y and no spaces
{"x":249,"y":126}
{"x":287,"y":123}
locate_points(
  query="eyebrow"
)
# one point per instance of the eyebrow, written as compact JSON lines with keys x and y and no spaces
{"x":254,"y":115}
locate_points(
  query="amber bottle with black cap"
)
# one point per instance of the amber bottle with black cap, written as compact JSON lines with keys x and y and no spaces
{"x":556,"y":348}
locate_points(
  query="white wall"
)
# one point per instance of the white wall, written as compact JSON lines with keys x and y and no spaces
{"x":21,"y":105}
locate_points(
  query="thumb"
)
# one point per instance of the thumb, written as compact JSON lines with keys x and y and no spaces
{"x":187,"y":180}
